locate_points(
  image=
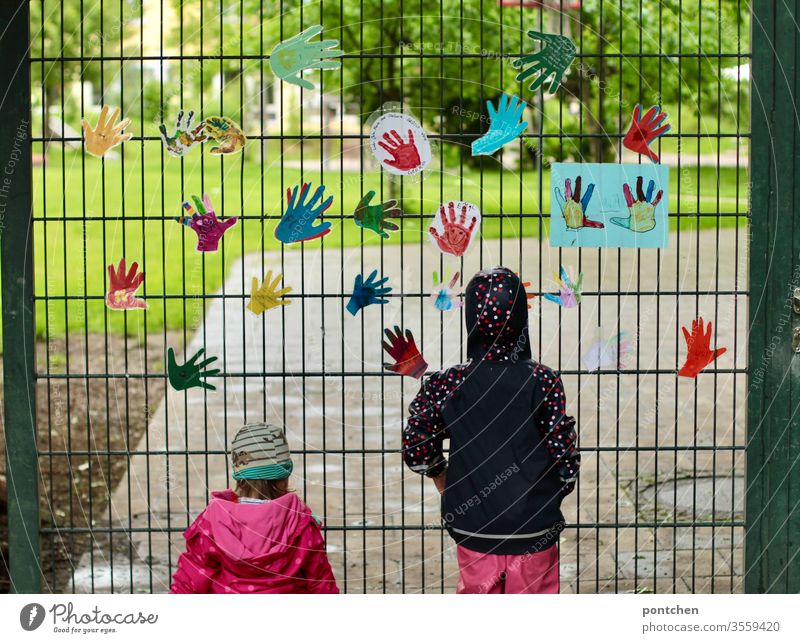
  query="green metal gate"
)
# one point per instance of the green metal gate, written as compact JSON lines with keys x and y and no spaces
{"x":106,"y":465}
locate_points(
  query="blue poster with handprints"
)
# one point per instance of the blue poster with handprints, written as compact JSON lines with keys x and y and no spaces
{"x":605,"y":205}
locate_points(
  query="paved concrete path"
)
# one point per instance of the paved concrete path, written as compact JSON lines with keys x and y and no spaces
{"x":343,"y":423}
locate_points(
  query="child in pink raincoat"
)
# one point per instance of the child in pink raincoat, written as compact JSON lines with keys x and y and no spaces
{"x":259,"y":539}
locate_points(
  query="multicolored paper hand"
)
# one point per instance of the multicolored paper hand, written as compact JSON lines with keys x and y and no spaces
{"x":297,"y":223}
{"x":190,"y":375}
{"x":375,"y":217}
{"x":642,"y":212}
{"x":204,"y":222}
{"x":106,"y":135}
{"x":553,"y":59}
{"x":610,"y":354}
{"x":122,"y":287}
{"x":403,"y":350}
{"x":456,"y":236}
{"x":293,"y":56}
{"x":405,"y":155}
{"x":185,"y":137}
{"x":267,"y":295}
{"x":569,"y":293}
{"x":226,"y":133}
{"x":446,"y":297}
{"x":368,"y":292}
{"x":504,"y":127}
{"x":573,"y":207}
{"x":644,"y":131}
{"x":698,"y":344}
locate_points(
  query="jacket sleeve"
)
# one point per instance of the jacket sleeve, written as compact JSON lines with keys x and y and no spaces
{"x":557,"y":429}
{"x":316,"y":568}
{"x":198,"y":565}
{"x":425,"y":429}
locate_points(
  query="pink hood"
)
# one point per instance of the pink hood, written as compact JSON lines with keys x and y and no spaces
{"x":271,"y":547}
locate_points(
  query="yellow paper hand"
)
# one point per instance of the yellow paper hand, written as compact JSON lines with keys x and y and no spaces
{"x":106,"y":135}
{"x":267,"y":296}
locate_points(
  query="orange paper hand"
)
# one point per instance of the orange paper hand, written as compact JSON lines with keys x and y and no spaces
{"x":700,"y":355}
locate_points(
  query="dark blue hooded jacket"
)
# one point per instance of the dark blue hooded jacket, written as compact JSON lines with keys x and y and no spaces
{"x":512,"y":455}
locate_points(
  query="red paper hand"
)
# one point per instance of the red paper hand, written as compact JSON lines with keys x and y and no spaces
{"x":700,"y":355}
{"x":645,"y":130}
{"x":122,"y":287}
{"x":456,"y":236}
{"x":403,"y":350}
{"x":404,"y":155}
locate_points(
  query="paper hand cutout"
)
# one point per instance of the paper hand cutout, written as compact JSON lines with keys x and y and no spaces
{"x":267,"y":296}
{"x":368,"y":292}
{"x":569,"y":293}
{"x":456,"y":237}
{"x":403,"y":350}
{"x":645,"y":131}
{"x":297,"y":223}
{"x":504,"y":126}
{"x":699,"y":354}
{"x":374,"y":217}
{"x":573,"y":207}
{"x":553,"y":59}
{"x":185,"y":137}
{"x":106,"y":135}
{"x":293,"y":56}
{"x":190,"y":375}
{"x":226,"y":133}
{"x":404,"y":153}
{"x":446,"y":297}
{"x":609,"y":354}
{"x":643,"y":212}
{"x":122,"y":287}
{"x":204,"y":222}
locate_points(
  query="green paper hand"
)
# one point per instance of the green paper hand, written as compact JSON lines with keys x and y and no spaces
{"x":291,"y":57}
{"x":374,"y":217}
{"x":553,"y":59}
{"x":189,"y":375}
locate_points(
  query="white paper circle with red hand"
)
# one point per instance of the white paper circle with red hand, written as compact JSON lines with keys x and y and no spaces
{"x":400,"y":144}
{"x":454,"y":226}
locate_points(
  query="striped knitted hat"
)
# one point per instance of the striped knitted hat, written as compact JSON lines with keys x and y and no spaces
{"x":260,"y":452}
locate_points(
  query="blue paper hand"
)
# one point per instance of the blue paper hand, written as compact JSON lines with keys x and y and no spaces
{"x":368,"y":292}
{"x":297,"y":223}
{"x":504,"y":126}
{"x":446,"y":298}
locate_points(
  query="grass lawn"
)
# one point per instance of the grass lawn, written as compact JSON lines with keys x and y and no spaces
{"x":71,"y":253}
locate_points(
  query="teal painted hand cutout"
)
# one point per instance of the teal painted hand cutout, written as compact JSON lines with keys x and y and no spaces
{"x":293,"y":56}
{"x":553,"y":59}
{"x":504,"y":126}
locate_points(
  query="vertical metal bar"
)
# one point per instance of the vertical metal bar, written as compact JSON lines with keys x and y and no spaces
{"x":16,"y":228}
{"x":772,"y":563}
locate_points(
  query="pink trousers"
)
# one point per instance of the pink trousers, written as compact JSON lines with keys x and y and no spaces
{"x":497,"y":574}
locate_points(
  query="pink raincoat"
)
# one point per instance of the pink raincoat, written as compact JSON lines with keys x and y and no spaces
{"x":270,"y":548}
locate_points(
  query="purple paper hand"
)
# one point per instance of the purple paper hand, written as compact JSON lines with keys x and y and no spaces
{"x":204,"y":222}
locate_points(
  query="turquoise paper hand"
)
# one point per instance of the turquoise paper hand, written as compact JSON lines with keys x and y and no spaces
{"x":553,"y":59}
{"x":293,"y":56}
{"x":504,"y":126}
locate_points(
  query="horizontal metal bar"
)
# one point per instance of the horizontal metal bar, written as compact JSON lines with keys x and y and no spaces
{"x":406,"y":295}
{"x":606,"y":525}
{"x":489,"y":54}
{"x":294,"y":375}
{"x":431,"y":135}
{"x":220,"y":452}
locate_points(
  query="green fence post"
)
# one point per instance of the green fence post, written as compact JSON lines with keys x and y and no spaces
{"x":772,"y":536}
{"x":16,"y":228}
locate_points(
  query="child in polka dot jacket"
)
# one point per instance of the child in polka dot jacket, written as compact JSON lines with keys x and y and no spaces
{"x":512,"y":455}
{"x":261,"y":538}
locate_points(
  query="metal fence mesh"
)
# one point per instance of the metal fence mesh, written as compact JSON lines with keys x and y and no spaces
{"x":127,"y":462}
